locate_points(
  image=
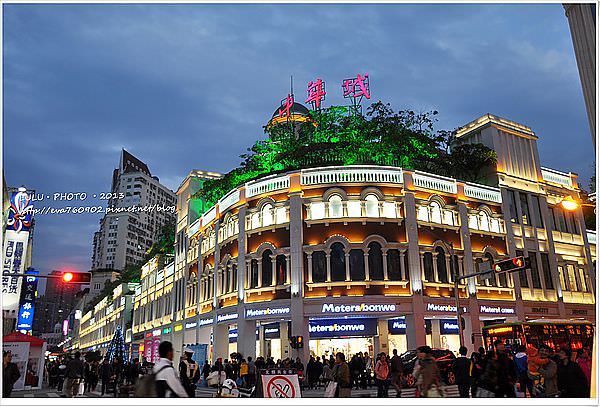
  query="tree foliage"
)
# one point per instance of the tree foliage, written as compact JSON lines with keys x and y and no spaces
{"x":339,"y":136}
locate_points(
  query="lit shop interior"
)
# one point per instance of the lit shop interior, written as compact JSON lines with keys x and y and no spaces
{"x":270,"y":346}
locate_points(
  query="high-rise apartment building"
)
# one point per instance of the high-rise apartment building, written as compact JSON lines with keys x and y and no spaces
{"x":138,"y":208}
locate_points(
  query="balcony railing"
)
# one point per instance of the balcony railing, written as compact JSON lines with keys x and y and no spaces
{"x":353,"y":209}
{"x":352,"y":174}
{"x":429,"y":214}
{"x":228,"y":200}
{"x":556,"y":177}
{"x":229,"y":229}
{"x":270,"y":217}
{"x":434,"y":182}
{"x":483,"y":193}
{"x":486,"y":224}
{"x":207,"y":244}
{"x":267,"y":185}
{"x":591,"y":236}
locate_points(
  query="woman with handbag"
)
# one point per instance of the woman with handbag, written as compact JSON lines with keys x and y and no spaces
{"x":341,"y":376}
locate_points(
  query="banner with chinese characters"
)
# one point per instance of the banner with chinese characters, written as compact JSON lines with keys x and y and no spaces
{"x":27,"y":304}
{"x":13,"y":256}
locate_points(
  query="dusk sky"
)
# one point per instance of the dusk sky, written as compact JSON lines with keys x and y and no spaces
{"x":190,"y":86}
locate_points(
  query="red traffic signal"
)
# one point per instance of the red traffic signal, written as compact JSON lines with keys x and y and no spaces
{"x":76,"y":277}
{"x":510,"y":265}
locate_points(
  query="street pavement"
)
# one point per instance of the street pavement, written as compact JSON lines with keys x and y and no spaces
{"x":202,"y":392}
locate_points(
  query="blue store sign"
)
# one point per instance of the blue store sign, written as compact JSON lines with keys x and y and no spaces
{"x":342,"y":327}
{"x":449,"y":327}
{"x":397,"y":326}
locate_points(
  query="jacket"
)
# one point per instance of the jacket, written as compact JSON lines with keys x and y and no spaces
{"x":168,"y":385}
{"x":75,"y":369}
{"x":521,"y":362}
{"x":550,"y":374}
{"x":572,"y":381}
{"x":382,"y":370}
{"x":341,"y":375}
{"x":10,"y":375}
{"x":426,"y":373}
{"x":461,"y":367}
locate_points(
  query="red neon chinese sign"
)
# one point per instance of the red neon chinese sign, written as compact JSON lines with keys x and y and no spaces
{"x":357,"y":87}
{"x":316,"y":93}
{"x":286,"y":105}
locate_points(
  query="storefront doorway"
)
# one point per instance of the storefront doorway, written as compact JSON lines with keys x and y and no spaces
{"x":346,"y":335}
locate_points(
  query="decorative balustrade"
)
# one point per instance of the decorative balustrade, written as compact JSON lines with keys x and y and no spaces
{"x":194,"y":228}
{"x":486,"y":223}
{"x":267,"y":185}
{"x":207,"y":243}
{"x":267,"y":217}
{"x":229,"y":229}
{"x":353,"y":209}
{"x":432,"y":214}
{"x":434,"y":182}
{"x":229,"y":200}
{"x":556,"y":177}
{"x":209,"y":216}
{"x":483,"y":193}
{"x":591,"y":236}
{"x":351,"y":174}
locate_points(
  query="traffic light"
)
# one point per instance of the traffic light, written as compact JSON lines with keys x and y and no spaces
{"x":299,"y":342}
{"x":76,"y":277}
{"x":294,"y":342}
{"x":510,"y":265}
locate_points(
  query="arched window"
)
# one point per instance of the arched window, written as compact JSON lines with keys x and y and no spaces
{"x":338,"y":262}
{"x":255,"y":220}
{"x":267,"y":268}
{"x":441,"y":265}
{"x":435,"y":212}
{"x":393,"y":264}
{"x":335,"y":206}
{"x":428,"y":266}
{"x":372,"y":206}
{"x":487,"y":257}
{"x":319,"y":267}
{"x":375,"y":261}
{"x":280,"y":269}
{"x":267,"y":215}
{"x":253,"y":273}
{"x":484,"y":221}
{"x":357,"y":265}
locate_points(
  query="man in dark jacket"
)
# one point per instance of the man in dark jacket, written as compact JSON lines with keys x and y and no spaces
{"x":477,"y":368}
{"x":10,"y":374}
{"x":506,"y":373}
{"x":74,"y":375}
{"x":571,"y":379}
{"x":105,"y":374}
{"x":461,"y":368}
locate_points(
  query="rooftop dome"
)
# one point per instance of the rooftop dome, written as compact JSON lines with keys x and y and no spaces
{"x":296,"y":108}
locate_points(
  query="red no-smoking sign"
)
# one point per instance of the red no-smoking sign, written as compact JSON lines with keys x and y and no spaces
{"x":281,"y":386}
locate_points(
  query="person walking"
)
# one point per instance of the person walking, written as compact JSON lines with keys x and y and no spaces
{"x":382,"y":373}
{"x":167,"y":383}
{"x":525,"y":382}
{"x":368,"y":368}
{"x":189,"y":372}
{"x":506,"y":373}
{"x":426,"y":372}
{"x":396,"y":370}
{"x":572,"y":382}
{"x":477,"y":369}
{"x":584,"y":360}
{"x":461,"y":368}
{"x":10,"y":374}
{"x":341,"y":375}
{"x":105,"y":375}
{"x":134,"y":372}
{"x":549,"y":372}
{"x":74,"y":375}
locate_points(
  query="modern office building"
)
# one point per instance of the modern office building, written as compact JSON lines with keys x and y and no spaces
{"x":138,"y":207}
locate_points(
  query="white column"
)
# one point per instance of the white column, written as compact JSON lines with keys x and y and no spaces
{"x":259,"y":261}
{"x":435,"y":270}
{"x":328,"y":258}
{"x":274,"y":269}
{"x":402,"y":267}
{"x":347,"y":256}
{"x":448,"y":273}
{"x":385,"y":266}
{"x":366,"y":256}
{"x":288,"y":278}
{"x":421,"y":255}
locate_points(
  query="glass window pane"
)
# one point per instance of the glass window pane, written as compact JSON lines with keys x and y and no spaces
{"x":338,"y":262}
{"x":535,"y":274}
{"x":375,"y":261}
{"x":572,"y":279}
{"x":357,"y":265}
{"x":319,"y":267}
{"x":522,"y":273}
{"x":582,"y":280}
{"x":335,"y":206}
{"x":372,"y":206}
{"x":546,"y":271}
{"x":524,"y":208}
{"x":428,"y":265}
{"x":393,"y":265}
{"x":512,"y":202}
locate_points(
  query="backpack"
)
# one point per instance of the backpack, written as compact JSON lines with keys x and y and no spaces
{"x":146,"y":385}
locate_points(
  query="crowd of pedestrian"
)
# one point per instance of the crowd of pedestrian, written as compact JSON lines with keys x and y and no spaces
{"x":529,"y":372}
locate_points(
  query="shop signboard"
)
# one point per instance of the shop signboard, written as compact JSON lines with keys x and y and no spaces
{"x":449,"y":327}
{"x":268,"y":312}
{"x":342,"y":327}
{"x":272,"y":331}
{"x":397,"y":326}
{"x":27,"y":305}
{"x":13,"y":262}
{"x":363,"y":308}
{"x":226,"y":317}
{"x":443,"y":308}
{"x":496,"y":310}
{"x":233,"y":335}
{"x":205,"y":321}
{"x":155,"y":355}
{"x":148,"y":350}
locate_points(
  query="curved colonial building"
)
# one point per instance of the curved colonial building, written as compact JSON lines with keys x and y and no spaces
{"x":362,"y":258}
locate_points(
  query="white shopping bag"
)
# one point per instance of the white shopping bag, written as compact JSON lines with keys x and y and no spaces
{"x":330,"y":390}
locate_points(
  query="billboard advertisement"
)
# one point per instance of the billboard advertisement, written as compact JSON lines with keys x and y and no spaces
{"x":27,"y":304}
{"x":13,"y":257}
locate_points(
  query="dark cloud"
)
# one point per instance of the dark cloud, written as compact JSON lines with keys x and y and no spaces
{"x":190,"y":86}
